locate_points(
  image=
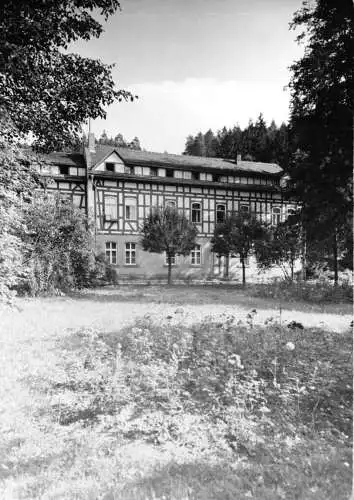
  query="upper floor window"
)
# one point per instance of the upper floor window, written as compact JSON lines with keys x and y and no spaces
{"x":196,"y":212}
{"x":244,"y":209}
{"x":276,"y":215}
{"x":196,"y":256}
{"x":130,"y":254}
{"x":216,"y":178}
{"x":291,"y":211}
{"x":64,"y":170}
{"x":130,"y":209}
{"x":169,"y":172}
{"x":109,"y":166}
{"x":110,"y":207}
{"x":111,"y":252}
{"x":220,"y":213}
{"x":171,"y":203}
{"x":195,"y":176}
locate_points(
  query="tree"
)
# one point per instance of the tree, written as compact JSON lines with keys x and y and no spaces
{"x":59,"y":244}
{"x":168,"y":230}
{"x":135,"y":144}
{"x":321,"y":121}
{"x":45,"y":90}
{"x":237,"y":235}
{"x":18,"y":180}
{"x":282,"y":246}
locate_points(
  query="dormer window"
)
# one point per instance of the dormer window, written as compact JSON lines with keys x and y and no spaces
{"x":109,"y":166}
{"x":129,"y":170}
{"x":64,"y":170}
{"x":153,"y":171}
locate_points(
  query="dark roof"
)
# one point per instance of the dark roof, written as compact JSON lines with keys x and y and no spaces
{"x":131,"y":156}
{"x":70,"y":159}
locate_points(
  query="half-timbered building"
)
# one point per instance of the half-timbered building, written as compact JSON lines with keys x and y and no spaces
{"x":119,"y":186}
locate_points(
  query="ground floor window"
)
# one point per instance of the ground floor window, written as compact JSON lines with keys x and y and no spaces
{"x":130,"y":254}
{"x":173,"y":260}
{"x":276,"y":214}
{"x":196,"y":255}
{"x":111,"y":252}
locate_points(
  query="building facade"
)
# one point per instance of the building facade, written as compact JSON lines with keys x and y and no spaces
{"x":119,"y":186}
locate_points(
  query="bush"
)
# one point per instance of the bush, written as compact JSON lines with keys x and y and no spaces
{"x":60,"y":246}
{"x":318,"y":292}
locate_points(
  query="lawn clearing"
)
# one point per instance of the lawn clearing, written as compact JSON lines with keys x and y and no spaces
{"x":109,"y":399}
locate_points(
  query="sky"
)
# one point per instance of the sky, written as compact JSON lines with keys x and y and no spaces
{"x":195,"y":65}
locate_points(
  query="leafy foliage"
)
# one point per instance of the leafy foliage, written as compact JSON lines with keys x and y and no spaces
{"x":321,"y":124}
{"x":18,"y":179}
{"x":168,"y":230}
{"x":282,"y":247}
{"x":45,"y":90}
{"x":60,"y":245}
{"x":237,"y":235}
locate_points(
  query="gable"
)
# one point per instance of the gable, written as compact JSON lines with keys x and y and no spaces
{"x":112,"y":158}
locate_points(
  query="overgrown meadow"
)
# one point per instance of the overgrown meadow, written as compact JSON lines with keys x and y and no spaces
{"x":160,"y":410}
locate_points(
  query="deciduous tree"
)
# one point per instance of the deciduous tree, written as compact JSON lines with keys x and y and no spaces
{"x":44,"y":89}
{"x":167,"y":230}
{"x":237,"y":235}
{"x":281,"y":246}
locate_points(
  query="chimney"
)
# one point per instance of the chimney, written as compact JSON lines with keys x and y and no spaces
{"x":91,"y":142}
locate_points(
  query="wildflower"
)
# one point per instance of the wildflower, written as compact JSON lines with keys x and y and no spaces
{"x":290,"y":346}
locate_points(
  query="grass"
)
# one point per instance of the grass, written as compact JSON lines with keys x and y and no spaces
{"x":95,"y":408}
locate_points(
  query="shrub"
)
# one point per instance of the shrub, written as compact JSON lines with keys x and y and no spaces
{"x":318,"y":292}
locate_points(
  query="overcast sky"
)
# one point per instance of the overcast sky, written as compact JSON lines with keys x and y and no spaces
{"x":195,"y":64}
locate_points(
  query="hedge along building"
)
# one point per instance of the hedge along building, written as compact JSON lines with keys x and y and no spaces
{"x":119,"y":187}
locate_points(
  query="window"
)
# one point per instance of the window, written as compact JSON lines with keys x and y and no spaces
{"x":153,"y":171}
{"x":169,"y":172}
{"x":111,"y":252}
{"x":130,"y":254}
{"x":196,"y":212}
{"x":291,"y":211}
{"x":110,"y":208}
{"x":178,"y":174}
{"x":171,"y":204}
{"x":64,"y":170}
{"x":173,"y":260}
{"x":196,"y":257}
{"x":130,"y":209}
{"x":244,"y":209}
{"x":216,"y":178}
{"x":128,"y":170}
{"x":275,"y":215}
{"x":220,"y":213}
{"x":195,"y":176}
{"x":109,"y":167}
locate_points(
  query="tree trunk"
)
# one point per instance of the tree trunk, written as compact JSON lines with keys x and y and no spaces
{"x":303,"y":253}
{"x":335,"y":257}
{"x":226,"y":267}
{"x":169,"y":275}
{"x":243,"y":271}
{"x":292,"y":269}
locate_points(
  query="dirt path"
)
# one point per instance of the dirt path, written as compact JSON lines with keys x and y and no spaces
{"x":47,"y":317}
